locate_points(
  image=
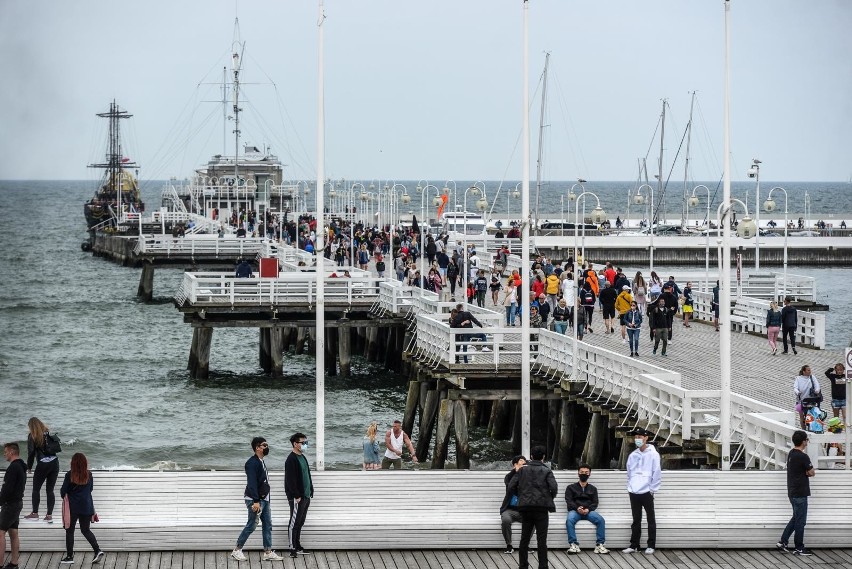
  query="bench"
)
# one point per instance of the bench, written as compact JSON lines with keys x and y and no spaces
{"x":739,"y":318}
{"x":441,"y":509}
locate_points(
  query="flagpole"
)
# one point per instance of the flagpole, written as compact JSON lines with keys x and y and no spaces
{"x":525,"y":253}
{"x":319,"y":250}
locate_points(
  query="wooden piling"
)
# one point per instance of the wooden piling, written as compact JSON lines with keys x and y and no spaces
{"x":517,"y":432}
{"x":427,"y":423}
{"x":566,"y":434}
{"x":411,"y":406}
{"x":344,"y":349}
{"x":301,"y":337}
{"x":371,"y":349}
{"x":146,"y":283}
{"x":276,"y":352}
{"x":552,"y":429}
{"x":264,"y":355}
{"x":596,"y":440}
{"x":462,"y":440}
{"x":205,"y":339}
{"x":331,"y":352}
{"x":192,"y":362}
{"x":288,"y":336}
{"x":627,"y":447}
{"x":445,"y":420}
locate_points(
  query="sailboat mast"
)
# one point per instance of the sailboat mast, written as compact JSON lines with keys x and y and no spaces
{"x":683,"y":220}
{"x":236,"y":69}
{"x":224,"y":111}
{"x":660,"y":169}
{"x":541,"y":138}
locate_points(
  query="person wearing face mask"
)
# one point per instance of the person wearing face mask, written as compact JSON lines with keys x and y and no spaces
{"x":799,"y":469}
{"x":643,"y":481}
{"x":256,"y":496}
{"x":509,"y":513}
{"x":582,"y":501}
{"x":300,"y":490}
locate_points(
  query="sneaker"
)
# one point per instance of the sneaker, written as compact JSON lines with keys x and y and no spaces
{"x":629,"y":550}
{"x":782,"y":547}
{"x":631,"y":354}
{"x":574,"y":548}
{"x":601,"y":549}
{"x":655,"y":351}
{"x":48,"y":518}
{"x":302,"y":551}
{"x":612,"y":330}
{"x":293,"y":553}
{"x":32,"y":517}
{"x":662,"y":354}
{"x":238,"y":555}
{"x":10,"y":565}
{"x":485,"y":349}
{"x":795,"y":352}
{"x":804,"y":551}
{"x":649,"y":551}
{"x":98,"y":557}
{"x":271,"y":556}
{"x":624,"y":340}
{"x":67,"y":560}
{"x":509,"y":550}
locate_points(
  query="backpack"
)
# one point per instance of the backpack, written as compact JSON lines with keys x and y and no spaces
{"x":51,"y":444}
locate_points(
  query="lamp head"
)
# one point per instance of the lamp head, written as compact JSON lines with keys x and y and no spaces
{"x":693,"y":201}
{"x":332,"y":193}
{"x":406,"y":198}
{"x":572,"y":196}
{"x":769,"y":205}
{"x":747,"y":228}
{"x":638,"y":199}
{"x":481,"y":204}
{"x":436,"y":201}
{"x":598,"y":215}
{"x":474,"y":190}
{"x":365,"y":197}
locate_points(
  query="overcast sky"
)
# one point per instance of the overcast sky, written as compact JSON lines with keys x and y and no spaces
{"x":429,"y":89}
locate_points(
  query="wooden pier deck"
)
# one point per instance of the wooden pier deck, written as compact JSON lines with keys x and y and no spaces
{"x":442,"y":559}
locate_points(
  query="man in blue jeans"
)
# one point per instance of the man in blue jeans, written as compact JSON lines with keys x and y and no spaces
{"x":256,"y":496}
{"x":799,"y":469}
{"x":582,"y":501}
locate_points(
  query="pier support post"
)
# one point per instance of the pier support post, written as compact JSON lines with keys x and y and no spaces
{"x":331,"y":352}
{"x":344,"y":347}
{"x":146,"y":283}
{"x":276,"y":352}
{"x":595,"y":442}
{"x":427,"y":423}
{"x":264,"y":355}
{"x":411,"y":406}
{"x":193,"y":353}
{"x":553,"y":429}
{"x":372,"y":348}
{"x":566,"y":434}
{"x":287,"y":337}
{"x":445,"y":420}
{"x":462,"y":439}
{"x":202,"y":353}
{"x":301,"y":337}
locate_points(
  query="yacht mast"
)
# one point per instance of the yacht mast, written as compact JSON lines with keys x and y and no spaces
{"x":683,"y":220}
{"x":541,"y":126}
{"x":660,"y":164}
{"x":237,"y":55}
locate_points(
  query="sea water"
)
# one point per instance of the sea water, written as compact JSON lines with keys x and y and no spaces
{"x":108,"y":373}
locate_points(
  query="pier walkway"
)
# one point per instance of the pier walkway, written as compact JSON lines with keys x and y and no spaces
{"x":381,"y":558}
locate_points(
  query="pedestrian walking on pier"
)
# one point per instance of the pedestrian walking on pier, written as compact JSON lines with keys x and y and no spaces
{"x":658,"y":322}
{"x":509,"y":513}
{"x":77,"y":486}
{"x":371,"y":448}
{"x":257,"y":501}
{"x":42,"y":453}
{"x":773,"y":326}
{"x":789,"y":323}
{"x":643,"y":481}
{"x":536,"y":488}
{"x":633,"y":322}
{"x":799,"y":469}
{"x":300,"y":490}
{"x":11,"y":504}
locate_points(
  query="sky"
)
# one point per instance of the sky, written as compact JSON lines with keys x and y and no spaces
{"x":430,"y":90}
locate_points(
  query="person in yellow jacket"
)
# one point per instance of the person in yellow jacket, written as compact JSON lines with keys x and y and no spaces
{"x":551,"y":288}
{"x":622,"y":307}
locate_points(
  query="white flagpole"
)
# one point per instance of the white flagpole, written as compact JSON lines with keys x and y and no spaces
{"x":319,"y":247}
{"x":725,"y":277}
{"x":525,"y":253}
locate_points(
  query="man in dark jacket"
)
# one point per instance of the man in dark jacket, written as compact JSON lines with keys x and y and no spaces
{"x":536,"y":488}
{"x":11,"y":503}
{"x":669,"y":298}
{"x":509,"y":513}
{"x":300,"y":490}
{"x":789,"y":323}
{"x":607,"y":300}
{"x":658,"y":321}
{"x":256,"y":496}
{"x":582,"y":501}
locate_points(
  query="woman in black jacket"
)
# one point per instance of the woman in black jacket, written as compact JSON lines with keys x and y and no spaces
{"x":77,"y":486}
{"x":46,"y":468}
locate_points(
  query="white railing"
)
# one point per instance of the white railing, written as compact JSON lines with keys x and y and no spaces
{"x":217,"y":289}
{"x":766,"y":442}
{"x":394,"y":297}
{"x":810,"y":329}
{"x":203,"y":245}
{"x":438,"y":344}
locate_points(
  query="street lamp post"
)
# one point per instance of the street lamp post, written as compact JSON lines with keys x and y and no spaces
{"x":769,"y":205}
{"x":693,"y":201}
{"x":455,"y":190}
{"x":598,"y":213}
{"x":754,"y":172}
{"x":572,"y":197}
{"x":475,"y":190}
{"x":650,"y":220}
{"x":516,"y":193}
{"x":424,"y":208}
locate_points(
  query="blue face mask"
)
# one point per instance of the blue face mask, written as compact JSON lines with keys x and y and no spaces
{"x":305,"y":445}
{"x":639,"y":442}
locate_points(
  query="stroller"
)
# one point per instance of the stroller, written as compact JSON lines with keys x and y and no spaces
{"x":814,"y":416}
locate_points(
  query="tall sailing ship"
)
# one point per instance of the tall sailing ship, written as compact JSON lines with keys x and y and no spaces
{"x":118,"y":192}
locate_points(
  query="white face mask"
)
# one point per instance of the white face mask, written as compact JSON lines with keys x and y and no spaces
{"x":639,"y":442}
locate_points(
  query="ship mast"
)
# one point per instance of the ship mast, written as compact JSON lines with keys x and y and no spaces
{"x":239,"y":47}
{"x":114,"y":164}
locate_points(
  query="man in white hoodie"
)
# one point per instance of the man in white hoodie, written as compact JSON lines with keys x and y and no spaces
{"x":643,"y":481}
